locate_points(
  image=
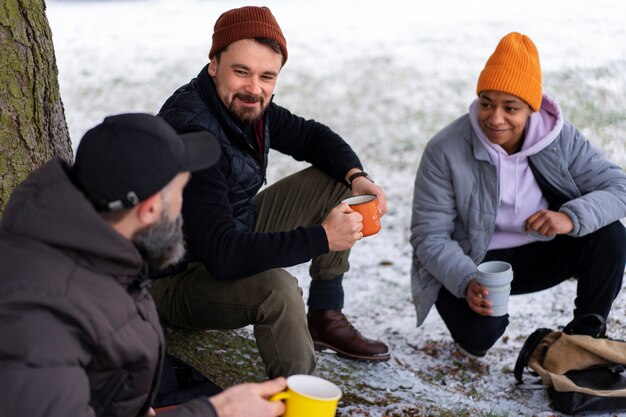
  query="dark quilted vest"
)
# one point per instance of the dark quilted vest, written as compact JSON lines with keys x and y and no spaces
{"x":196,"y":107}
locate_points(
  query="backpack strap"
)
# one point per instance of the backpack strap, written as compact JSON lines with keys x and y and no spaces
{"x":527,"y":350}
{"x":591,"y":324}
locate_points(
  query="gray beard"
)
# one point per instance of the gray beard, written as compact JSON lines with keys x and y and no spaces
{"x":163,"y":243}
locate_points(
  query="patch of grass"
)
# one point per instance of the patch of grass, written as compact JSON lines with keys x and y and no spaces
{"x":226,"y":357}
{"x":231,"y":357}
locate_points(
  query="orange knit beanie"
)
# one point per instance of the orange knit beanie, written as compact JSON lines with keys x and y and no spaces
{"x":246,"y":23}
{"x":514,"y":68}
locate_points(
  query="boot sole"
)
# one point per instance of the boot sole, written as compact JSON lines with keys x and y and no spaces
{"x":378,"y":358}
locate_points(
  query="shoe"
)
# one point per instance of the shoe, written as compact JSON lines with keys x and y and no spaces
{"x":592,"y":324}
{"x":330,"y":329}
{"x":467,"y":353}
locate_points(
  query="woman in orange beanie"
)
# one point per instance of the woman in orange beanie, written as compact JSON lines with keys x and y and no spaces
{"x":512,"y":181}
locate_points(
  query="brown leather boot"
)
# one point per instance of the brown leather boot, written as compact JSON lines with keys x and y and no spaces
{"x":332,"y":330}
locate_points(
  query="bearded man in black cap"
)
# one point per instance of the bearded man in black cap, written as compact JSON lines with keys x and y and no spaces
{"x":80,"y":333}
{"x":239,"y":240}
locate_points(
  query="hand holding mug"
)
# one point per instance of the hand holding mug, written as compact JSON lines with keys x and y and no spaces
{"x":493,"y":279}
{"x":309,"y":396}
{"x":250,"y":400}
{"x":362,"y":186}
{"x":476,"y":296}
{"x":343,"y":228}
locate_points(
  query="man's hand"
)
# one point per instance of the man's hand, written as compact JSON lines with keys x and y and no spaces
{"x":250,"y":400}
{"x":343,"y":228}
{"x":549,"y":223}
{"x":475,"y":295}
{"x":362,"y":185}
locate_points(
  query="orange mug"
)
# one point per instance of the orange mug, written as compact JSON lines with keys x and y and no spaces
{"x":365,"y":205}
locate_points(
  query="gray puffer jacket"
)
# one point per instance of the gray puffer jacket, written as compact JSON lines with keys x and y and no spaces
{"x":456,"y":194}
{"x":79,"y":332}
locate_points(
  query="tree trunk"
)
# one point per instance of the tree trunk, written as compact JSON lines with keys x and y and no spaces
{"x":32,"y":120}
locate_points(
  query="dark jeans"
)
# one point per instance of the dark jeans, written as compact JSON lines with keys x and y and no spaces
{"x":271,"y":300}
{"x":596,"y":260}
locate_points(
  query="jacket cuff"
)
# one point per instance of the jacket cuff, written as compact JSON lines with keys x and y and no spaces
{"x":462,"y":288}
{"x":198,"y":407}
{"x":572,"y":215}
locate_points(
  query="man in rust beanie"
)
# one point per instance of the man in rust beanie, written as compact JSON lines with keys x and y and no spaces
{"x":513,"y":181}
{"x":239,"y":240}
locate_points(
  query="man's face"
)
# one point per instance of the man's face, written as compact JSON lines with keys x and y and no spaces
{"x":163,"y":243}
{"x":245,"y":78}
{"x":503,"y":118}
{"x":173,"y":194}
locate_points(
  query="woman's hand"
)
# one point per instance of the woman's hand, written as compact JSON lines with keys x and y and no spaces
{"x":549,"y":223}
{"x":475,"y":295}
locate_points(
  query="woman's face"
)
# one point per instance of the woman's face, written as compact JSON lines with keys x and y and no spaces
{"x":503,"y":117}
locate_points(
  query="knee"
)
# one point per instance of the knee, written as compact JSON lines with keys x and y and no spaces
{"x":281,"y":282}
{"x":492,"y":329}
{"x":283,"y":295}
{"x":611,"y":239}
{"x":336,"y":190}
{"x":479,"y":339}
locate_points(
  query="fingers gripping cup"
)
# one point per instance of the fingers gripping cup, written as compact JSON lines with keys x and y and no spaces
{"x":365,"y":205}
{"x":496,"y":276}
{"x":309,"y":396}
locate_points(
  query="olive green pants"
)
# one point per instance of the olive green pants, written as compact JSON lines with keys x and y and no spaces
{"x":271,"y":300}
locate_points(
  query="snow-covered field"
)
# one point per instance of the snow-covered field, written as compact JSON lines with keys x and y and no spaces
{"x":386,"y":75}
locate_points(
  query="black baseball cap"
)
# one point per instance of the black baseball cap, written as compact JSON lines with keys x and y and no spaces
{"x":129,"y":157}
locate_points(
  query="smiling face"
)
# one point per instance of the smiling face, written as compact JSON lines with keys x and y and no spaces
{"x":503,"y":117}
{"x":245,"y":76}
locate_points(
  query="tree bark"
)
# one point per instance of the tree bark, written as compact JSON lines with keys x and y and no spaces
{"x":32,"y":120}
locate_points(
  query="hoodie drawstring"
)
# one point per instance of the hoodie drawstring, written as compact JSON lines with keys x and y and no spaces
{"x":500,"y":178}
{"x":516,"y":196}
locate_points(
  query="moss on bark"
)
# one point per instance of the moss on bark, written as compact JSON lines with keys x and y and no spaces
{"x":32,"y":120}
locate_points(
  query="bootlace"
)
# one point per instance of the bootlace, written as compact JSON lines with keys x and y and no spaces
{"x":344,"y":319}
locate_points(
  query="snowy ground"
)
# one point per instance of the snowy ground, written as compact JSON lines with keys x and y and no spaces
{"x":386,"y":75}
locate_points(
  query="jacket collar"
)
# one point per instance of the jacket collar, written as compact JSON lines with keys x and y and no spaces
{"x":48,"y":208}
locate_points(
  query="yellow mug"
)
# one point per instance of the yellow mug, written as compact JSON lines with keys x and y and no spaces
{"x":309,"y":396}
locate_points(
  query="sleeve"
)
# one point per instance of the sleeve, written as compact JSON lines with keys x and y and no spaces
{"x":601,"y":184}
{"x":41,"y":357}
{"x":433,"y":221}
{"x":311,"y":141}
{"x":200,"y":407}
{"x":229,"y":253}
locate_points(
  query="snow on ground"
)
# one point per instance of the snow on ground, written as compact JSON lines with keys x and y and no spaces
{"x":386,"y":75}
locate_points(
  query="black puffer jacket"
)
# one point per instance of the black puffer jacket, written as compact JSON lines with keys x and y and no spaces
{"x":219,"y":207}
{"x":196,"y":107}
{"x":79,"y":333}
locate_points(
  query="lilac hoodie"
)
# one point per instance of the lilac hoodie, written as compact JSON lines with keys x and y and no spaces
{"x":519,"y":196}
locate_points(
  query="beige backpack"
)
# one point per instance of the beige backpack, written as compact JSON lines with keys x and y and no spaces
{"x":581,"y":373}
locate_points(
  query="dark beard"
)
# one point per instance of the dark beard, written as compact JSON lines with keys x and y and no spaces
{"x":161,"y":244}
{"x":247,"y":116}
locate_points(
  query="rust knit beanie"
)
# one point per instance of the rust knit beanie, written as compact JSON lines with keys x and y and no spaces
{"x":246,"y":23}
{"x":514,"y":68}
